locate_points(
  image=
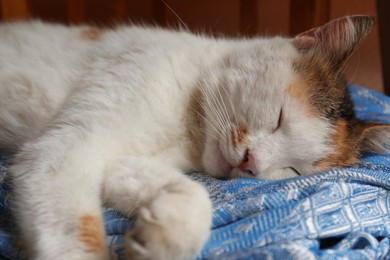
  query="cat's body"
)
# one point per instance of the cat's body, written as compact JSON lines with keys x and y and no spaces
{"x":116,"y":118}
{"x":144,"y":114}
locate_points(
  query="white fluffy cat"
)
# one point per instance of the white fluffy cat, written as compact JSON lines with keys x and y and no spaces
{"x":115,"y":117}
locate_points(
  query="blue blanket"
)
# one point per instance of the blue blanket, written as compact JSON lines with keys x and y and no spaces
{"x":337,"y":214}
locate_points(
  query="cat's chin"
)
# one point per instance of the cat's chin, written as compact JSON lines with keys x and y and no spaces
{"x":277,"y":174}
{"x":237,"y":173}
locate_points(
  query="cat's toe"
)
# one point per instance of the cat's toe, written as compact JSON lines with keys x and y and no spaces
{"x":153,"y":240}
{"x":135,"y":248}
{"x":170,"y":227}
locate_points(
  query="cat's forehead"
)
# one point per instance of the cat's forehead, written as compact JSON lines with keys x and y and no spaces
{"x":262,"y":52}
{"x":275,"y":71}
{"x":263,"y":63}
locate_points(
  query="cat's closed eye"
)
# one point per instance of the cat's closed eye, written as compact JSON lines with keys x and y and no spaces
{"x":279,"y":122}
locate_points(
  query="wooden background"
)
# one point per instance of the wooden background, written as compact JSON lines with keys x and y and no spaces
{"x":219,"y":17}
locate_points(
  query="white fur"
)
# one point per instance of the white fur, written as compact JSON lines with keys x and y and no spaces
{"x":107,"y":118}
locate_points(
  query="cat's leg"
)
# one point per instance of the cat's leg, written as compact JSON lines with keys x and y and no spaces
{"x":57,"y":195}
{"x":173,"y":213}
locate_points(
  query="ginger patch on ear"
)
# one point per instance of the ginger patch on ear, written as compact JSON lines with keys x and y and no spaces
{"x":91,"y":233}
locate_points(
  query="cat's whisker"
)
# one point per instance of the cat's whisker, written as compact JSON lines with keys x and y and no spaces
{"x":208,"y":133}
{"x":216,"y":114}
{"x":177,"y":16}
{"x":216,"y":117}
{"x":232,"y":107}
{"x":222,"y":115}
{"x":224,"y":108}
{"x":211,"y":124}
{"x":216,"y":110}
{"x":216,"y":127}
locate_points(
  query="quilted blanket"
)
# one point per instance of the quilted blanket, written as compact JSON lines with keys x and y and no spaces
{"x":337,"y":214}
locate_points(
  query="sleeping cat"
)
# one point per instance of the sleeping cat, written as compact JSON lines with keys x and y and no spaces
{"x":115,"y":117}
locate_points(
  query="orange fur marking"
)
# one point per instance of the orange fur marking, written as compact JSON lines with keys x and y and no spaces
{"x":91,"y":34}
{"x":239,"y":135}
{"x":345,"y":154}
{"x":91,"y":233}
{"x":300,"y":91}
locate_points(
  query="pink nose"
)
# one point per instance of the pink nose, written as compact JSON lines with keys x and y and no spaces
{"x":248,"y":164}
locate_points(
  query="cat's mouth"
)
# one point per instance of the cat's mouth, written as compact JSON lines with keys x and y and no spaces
{"x":286,"y":172}
{"x":294,"y":170}
{"x":228,"y":171}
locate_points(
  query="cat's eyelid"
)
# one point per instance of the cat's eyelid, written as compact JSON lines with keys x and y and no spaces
{"x":280,"y":119}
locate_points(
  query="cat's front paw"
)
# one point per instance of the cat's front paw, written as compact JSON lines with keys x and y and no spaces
{"x":171,"y":227}
{"x":152,"y":239}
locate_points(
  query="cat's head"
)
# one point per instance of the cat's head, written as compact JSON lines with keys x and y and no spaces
{"x":279,"y":107}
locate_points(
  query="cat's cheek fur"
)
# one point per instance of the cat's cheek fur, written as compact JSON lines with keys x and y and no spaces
{"x":213,"y":160}
{"x":311,"y":146}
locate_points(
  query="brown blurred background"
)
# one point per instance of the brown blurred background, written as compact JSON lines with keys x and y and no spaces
{"x":225,"y":17}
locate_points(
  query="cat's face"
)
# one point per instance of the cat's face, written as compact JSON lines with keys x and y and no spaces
{"x":254,"y":116}
{"x":274,"y":108}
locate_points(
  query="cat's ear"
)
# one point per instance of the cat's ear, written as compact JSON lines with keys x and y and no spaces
{"x":336,"y":40}
{"x":373,"y":137}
